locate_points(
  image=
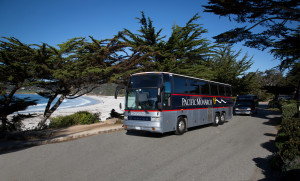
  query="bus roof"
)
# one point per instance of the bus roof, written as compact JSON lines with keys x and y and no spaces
{"x":143,"y":73}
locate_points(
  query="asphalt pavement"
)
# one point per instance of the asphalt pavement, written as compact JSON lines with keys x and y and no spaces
{"x":237,"y":150}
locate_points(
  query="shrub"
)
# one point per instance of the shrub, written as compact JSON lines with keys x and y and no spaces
{"x":288,"y":143}
{"x":289,"y":111}
{"x":82,"y":117}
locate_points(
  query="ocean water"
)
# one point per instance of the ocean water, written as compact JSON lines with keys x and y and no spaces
{"x":42,"y":102}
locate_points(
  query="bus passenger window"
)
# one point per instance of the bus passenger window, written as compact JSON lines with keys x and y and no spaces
{"x":221,"y":90}
{"x":214,"y":89}
{"x":180,"y":85}
{"x":204,"y":88}
{"x":194,"y":86}
{"x":228,"y":91}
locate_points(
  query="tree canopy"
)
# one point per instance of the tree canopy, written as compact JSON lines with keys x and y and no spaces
{"x":185,"y":48}
{"x":75,"y":68}
{"x":17,"y":69}
{"x":264,"y":24}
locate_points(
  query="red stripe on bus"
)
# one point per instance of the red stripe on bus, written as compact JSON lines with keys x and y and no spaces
{"x":173,"y":110}
{"x":142,"y":110}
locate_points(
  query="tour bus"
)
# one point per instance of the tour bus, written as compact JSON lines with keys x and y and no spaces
{"x":164,"y":102}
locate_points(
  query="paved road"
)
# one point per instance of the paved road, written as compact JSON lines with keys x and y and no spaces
{"x":235,"y":151}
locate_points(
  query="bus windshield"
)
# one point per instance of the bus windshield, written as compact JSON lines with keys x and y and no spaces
{"x":142,"y":93}
{"x":142,"y":99}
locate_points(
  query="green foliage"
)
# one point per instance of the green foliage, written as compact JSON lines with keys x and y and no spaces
{"x":227,"y":68}
{"x":288,"y":139}
{"x":17,"y":69}
{"x":82,"y":117}
{"x":289,"y":111}
{"x":293,"y":76}
{"x":266,"y":24}
{"x":226,"y":65}
{"x":77,"y":67}
{"x":187,"y":52}
{"x":184,"y":52}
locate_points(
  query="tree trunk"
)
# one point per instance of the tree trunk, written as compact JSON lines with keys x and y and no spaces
{"x":48,"y":112}
{"x":7,"y":101}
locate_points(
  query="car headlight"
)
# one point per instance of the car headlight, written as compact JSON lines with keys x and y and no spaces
{"x":248,"y":109}
{"x":236,"y":109}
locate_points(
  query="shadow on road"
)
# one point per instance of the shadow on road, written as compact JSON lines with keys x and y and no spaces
{"x":13,"y":146}
{"x":147,"y":134}
{"x":265,"y":113}
{"x":272,"y":119}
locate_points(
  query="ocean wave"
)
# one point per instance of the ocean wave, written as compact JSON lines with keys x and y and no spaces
{"x":67,"y":103}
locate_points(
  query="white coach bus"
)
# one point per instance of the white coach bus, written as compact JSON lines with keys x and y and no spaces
{"x":164,"y":102}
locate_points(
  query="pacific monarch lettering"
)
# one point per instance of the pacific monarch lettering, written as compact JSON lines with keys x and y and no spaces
{"x":196,"y":102}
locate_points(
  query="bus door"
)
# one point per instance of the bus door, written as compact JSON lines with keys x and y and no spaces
{"x":168,"y":117}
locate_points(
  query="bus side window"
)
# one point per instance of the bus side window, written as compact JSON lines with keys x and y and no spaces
{"x":204,"y":88}
{"x":180,"y":85}
{"x":167,"y":91}
{"x":214,"y":89}
{"x":222,"y":90}
{"x":194,"y":86}
{"x":228,"y":91}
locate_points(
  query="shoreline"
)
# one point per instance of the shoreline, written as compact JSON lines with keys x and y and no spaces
{"x":103,"y":107}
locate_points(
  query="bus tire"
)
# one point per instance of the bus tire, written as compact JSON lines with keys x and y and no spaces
{"x":180,"y":126}
{"x":222,"y":118}
{"x":217,"y":119}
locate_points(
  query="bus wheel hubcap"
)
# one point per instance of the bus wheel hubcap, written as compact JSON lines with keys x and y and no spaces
{"x":217,"y":119}
{"x":181,"y":126}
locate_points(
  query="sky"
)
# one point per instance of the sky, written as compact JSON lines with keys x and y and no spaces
{"x":56,"y":21}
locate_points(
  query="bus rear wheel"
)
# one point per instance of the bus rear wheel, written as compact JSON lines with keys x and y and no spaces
{"x":222,"y":118}
{"x":217,"y":119}
{"x":180,"y":126}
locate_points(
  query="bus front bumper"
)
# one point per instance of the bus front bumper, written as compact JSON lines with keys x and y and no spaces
{"x":243,"y":112}
{"x":151,"y":126}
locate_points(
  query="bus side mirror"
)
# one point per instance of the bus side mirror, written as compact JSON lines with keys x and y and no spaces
{"x":120,"y":87}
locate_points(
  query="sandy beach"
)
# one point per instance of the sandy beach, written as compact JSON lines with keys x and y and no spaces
{"x":104,"y":106}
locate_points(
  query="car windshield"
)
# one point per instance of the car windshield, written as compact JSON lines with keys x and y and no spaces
{"x":142,"y":99}
{"x":243,"y":103}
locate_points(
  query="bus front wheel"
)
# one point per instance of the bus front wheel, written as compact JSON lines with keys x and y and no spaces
{"x":181,"y":126}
